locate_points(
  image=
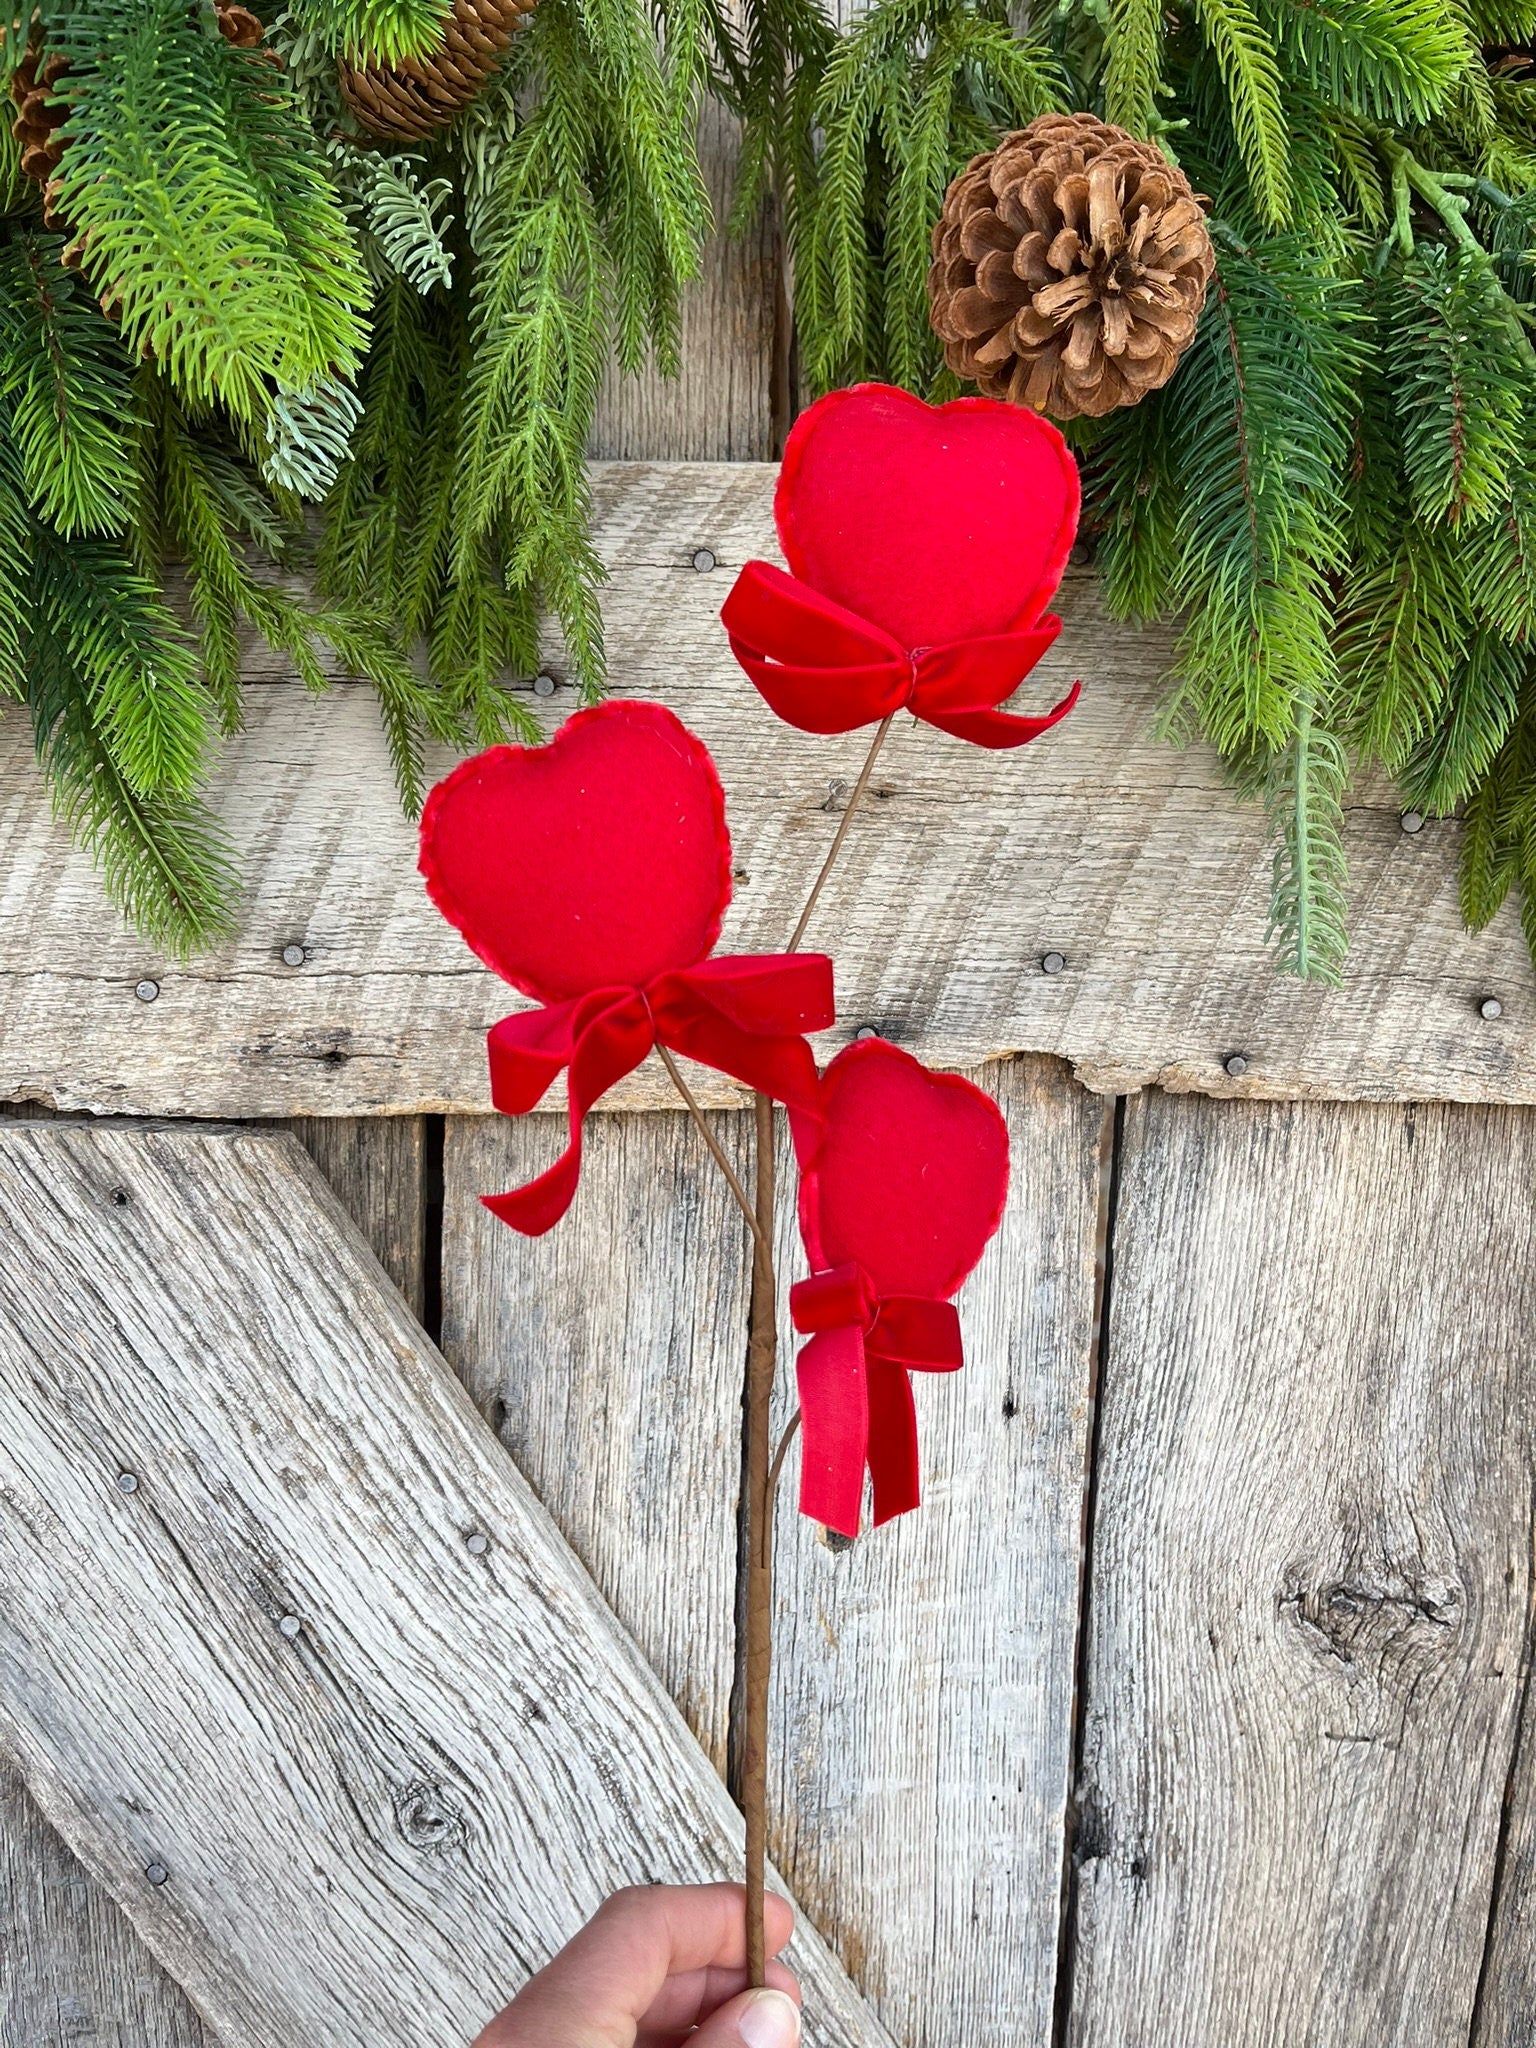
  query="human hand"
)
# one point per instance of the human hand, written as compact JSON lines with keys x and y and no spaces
{"x":654,"y":1964}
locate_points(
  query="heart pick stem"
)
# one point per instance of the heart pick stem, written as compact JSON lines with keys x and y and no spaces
{"x":762,"y":1359}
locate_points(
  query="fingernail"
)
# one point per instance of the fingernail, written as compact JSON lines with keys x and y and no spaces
{"x":769,"y":2020}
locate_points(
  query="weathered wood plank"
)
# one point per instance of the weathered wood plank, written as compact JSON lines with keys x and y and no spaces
{"x":371,"y":1828}
{"x":922,"y":1717}
{"x":75,"y":1969}
{"x":1129,"y":858}
{"x":377,"y":1168}
{"x":1506,"y":2008}
{"x":716,"y":408}
{"x":71,"y":1968}
{"x":924,"y":1699}
{"x":610,"y":1356}
{"x":1311,"y":1568}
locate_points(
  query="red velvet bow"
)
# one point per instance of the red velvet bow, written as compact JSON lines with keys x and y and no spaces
{"x":593,"y":874}
{"x":742,"y":1016}
{"x":855,"y":1397}
{"x":825,"y":670}
{"x":924,"y":544}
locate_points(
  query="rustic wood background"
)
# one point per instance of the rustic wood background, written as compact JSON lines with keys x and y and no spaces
{"x":1194,"y":1709}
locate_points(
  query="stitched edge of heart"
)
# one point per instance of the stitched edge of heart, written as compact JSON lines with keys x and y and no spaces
{"x":1052,"y":441}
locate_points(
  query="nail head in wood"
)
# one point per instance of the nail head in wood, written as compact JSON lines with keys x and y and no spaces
{"x":704,"y":560}
{"x":477,"y":1543}
{"x":867,"y":1031}
{"x":127,"y":1482}
{"x":543,"y":686}
{"x":146,"y":990}
{"x":1412,"y":821}
{"x":1236,"y":1064}
{"x":289,"y":1626}
{"x":1490,"y":1007}
{"x":156,"y":1873}
{"x":1053,"y":963}
{"x":293,"y":956}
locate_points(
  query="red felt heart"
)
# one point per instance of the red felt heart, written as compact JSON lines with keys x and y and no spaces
{"x":599,"y":860}
{"x":909,"y":1175}
{"x":938,"y":523}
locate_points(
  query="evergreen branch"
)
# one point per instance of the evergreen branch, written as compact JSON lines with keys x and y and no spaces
{"x":1401,"y":626}
{"x":163,"y":858}
{"x":1481,"y":704}
{"x":15,"y":571}
{"x":381,"y":31}
{"x":309,"y":436}
{"x":1305,"y":800}
{"x":1131,"y":507}
{"x":63,"y":370}
{"x":1250,"y":70}
{"x":1133,"y":70}
{"x":203,"y":209}
{"x":1457,"y":383}
{"x":1391,"y":60}
{"x":1258,"y":432}
{"x":131,"y":660}
{"x":1489,"y":863}
{"x":1359,"y":166}
{"x":403,"y":218}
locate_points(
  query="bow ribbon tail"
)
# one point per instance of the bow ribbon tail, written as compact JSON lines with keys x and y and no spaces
{"x":833,"y":1379}
{"x":958,"y":687}
{"x":892,"y":1448}
{"x":910,"y":1334}
{"x":601,"y":1038}
{"x":999,"y":729}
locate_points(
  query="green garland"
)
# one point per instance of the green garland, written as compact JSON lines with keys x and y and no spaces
{"x":412,"y":338}
{"x":1335,"y":496}
{"x":1335,"y":493}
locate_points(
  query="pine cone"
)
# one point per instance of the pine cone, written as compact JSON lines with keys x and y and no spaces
{"x":406,"y":101}
{"x":239,"y":26}
{"x":1069,"y":268}
{"x":37,"y":123}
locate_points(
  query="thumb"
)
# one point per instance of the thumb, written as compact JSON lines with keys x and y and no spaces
{"x":757,"y":2019}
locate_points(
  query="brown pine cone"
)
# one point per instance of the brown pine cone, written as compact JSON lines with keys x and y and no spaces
{"x":406,"y":101}
{"x":238,"y":25}
{"x":1069,"y":268}
{"x":37,"y":123}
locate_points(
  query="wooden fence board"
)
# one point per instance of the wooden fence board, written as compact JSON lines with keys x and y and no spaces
{"x":716,"y":408}
{"x":1311,"y":1568}
{"x":924,"y":1697}
{"x":922,"y":1719}
{"x":71,"y":1968}
{"x":371,"y":1829}
{"x":76,"y":1969}
{"x":610,"y":1356}
{"x":1506,"y":2007}
{"x":376,"y":1166}
{"x":1129,"y":858}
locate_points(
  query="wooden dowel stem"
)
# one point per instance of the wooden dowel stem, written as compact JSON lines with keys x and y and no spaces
{"x":762,"y":1352}
{"x":715,"y":1150}
{"x":842,"y":830}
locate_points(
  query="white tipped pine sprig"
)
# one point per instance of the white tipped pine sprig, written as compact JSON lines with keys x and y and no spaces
{"x":309,"y":437}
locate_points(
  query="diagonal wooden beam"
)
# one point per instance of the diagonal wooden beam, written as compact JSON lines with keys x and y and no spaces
{"x":351,"y":1772}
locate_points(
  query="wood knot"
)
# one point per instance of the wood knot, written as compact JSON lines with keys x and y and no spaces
{"x":1364,"y":1617}
{"x":427,"y":1818}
